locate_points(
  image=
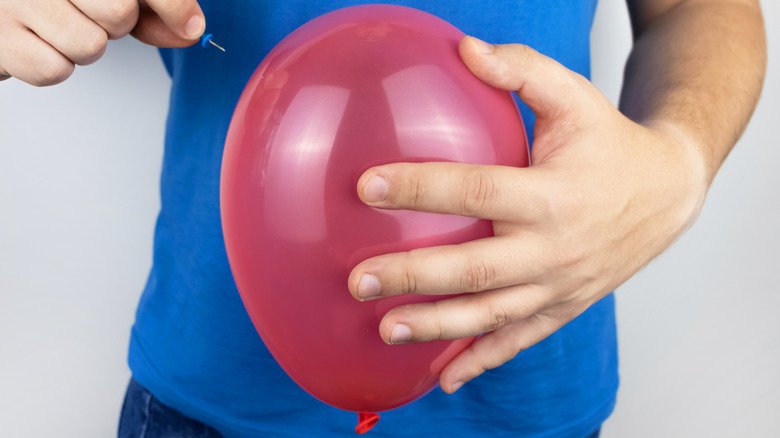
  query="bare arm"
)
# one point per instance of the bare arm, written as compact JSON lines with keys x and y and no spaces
{"x":697,"y":65}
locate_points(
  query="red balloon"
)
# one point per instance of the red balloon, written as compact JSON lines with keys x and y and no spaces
{"x":354,"y":88}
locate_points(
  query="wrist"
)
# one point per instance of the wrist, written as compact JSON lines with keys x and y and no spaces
{"x":692,"y":164}
{"x":693,"y":150}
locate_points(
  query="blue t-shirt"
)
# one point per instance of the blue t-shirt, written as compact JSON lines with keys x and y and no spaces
{"x":193,"y":345}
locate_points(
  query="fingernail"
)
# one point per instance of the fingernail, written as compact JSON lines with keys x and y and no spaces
{"x":368,"y":286}
{"x":375,"y":189}
{"x":482,"y":46}
{"x":400,"y":333}
{"x":194,"y":27}
{"x":455,"y":386}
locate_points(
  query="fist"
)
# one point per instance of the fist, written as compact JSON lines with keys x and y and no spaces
{"x":41,"y":41}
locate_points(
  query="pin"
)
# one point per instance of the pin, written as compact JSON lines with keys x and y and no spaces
{"x":207,"y":39}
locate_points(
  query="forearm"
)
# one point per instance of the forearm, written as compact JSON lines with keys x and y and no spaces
{"x":698,"y":69}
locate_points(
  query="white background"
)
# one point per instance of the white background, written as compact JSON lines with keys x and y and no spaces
{"x":79,"y":168}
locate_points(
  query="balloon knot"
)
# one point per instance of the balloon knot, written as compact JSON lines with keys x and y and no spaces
{"x":366,"y":421}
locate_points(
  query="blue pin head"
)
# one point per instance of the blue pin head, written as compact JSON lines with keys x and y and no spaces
{"x":207,"y":39}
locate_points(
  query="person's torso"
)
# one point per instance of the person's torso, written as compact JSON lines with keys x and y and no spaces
{"x":193,"y":344}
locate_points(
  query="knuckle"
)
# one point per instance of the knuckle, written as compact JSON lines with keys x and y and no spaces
{"x":498,"y":360}
{"x":478,"y":275}
{"x":436,"y":328}
{"x":545,"y":208}
{"x":579,"y":80}
{"x":511,"y":354}
{"x":568,"y":257}
{"x":519,"y":48}
{"x":177,"y":9}
{"x":523,"y":53}
{"x":94,"y":46}
{"x":53,"y":73}
{"x":410,"y":278}
{"x":410,"y":283}
{"x":583,"y":94}
{"x":415,"y":189}
{"x":121,"y":17}
{"x":479,"y":191}
{"x":497,"y":317}
{"x":567,"y":205}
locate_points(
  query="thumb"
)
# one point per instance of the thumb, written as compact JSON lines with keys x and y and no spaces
{"x":549,"y":88}
{"x":170,"y":23}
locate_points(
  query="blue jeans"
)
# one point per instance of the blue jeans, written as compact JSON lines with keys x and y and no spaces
{"x":143,"y":416}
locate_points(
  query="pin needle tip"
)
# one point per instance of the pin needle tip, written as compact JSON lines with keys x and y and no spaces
{"x":217,"y":45}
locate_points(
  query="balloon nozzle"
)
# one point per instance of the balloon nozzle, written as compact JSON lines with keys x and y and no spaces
{"x":366,"y":421}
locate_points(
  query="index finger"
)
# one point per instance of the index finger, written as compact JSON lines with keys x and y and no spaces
{"x":502,"y":193}
{"x":183,"y":17}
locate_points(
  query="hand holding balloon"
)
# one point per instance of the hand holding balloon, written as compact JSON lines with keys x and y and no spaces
{"x":604,"y":196}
